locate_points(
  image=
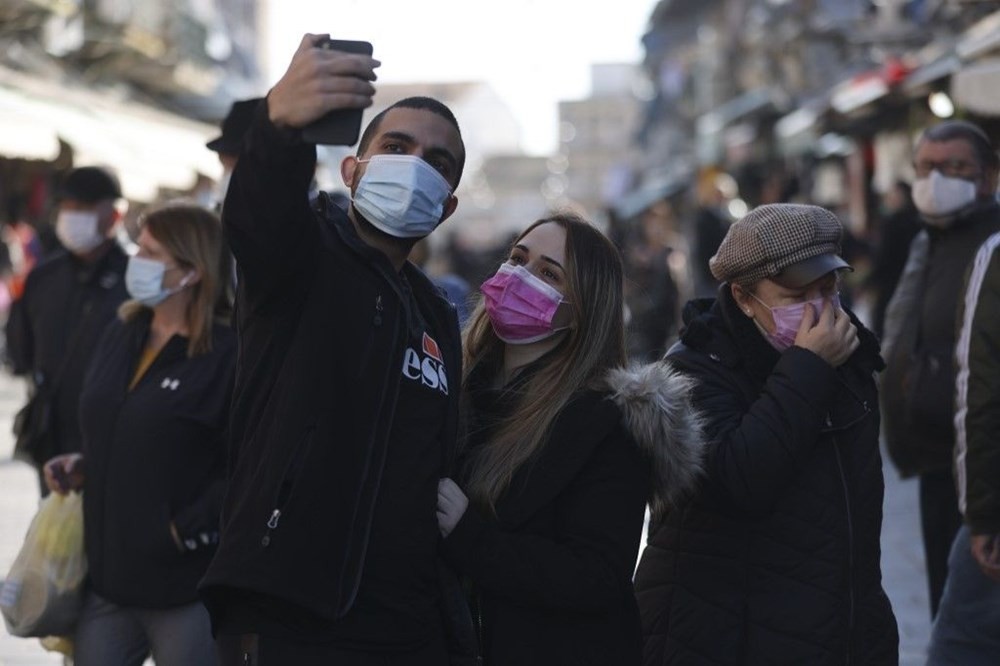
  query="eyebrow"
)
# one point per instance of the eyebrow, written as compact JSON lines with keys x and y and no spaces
{"x":543,"y":257}
{"x":438,"y":151}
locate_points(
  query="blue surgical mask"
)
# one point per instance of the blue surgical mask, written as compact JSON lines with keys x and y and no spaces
{"x":401,"y":195}
{"x":144,"y":281}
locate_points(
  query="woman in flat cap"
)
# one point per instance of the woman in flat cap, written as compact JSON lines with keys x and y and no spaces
{"x":776,"y":557}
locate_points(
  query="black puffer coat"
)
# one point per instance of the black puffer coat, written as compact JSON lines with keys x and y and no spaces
{"x":776,"y":558}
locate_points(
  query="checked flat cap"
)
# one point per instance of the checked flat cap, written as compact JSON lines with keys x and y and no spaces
{"x":791,"y":244}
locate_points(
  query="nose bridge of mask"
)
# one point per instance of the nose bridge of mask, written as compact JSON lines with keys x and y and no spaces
{"x":408,"y":169}
{"x":817,"y":304}
{"x":535,"y":282}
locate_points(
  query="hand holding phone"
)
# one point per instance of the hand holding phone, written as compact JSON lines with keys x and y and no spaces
{"x":340,"y":127}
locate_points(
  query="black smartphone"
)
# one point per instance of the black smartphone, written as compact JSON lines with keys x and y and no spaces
{"x":340,"y":127}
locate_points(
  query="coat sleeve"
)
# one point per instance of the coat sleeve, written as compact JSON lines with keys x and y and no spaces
{"x":586,"y":564}
{"x":269,"y":223}
{"x":977,"y":395}
{"x":754,"y":454}
{"x":19,"y":350}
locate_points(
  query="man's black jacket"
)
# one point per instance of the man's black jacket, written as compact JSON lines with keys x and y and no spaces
{"x":322,"y":321}
{"x":55,"y":326}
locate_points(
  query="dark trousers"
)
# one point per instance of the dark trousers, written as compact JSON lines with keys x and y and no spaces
{"x":939,"y":522}
{"x":258,"y":650}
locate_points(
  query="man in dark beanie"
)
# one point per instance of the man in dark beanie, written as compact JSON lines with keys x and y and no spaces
{"x":68,"y":299}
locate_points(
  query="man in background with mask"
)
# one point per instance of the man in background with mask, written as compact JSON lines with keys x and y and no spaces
{"x":956,"y":168}
{"x":68,"y":300}
{"x":346,"y":398}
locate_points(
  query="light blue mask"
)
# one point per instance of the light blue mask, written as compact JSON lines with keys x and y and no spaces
{"x":144,"y":281}
{"x":401,"y":195}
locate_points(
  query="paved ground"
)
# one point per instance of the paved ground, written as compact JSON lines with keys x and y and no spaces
{"x":902,"y":558}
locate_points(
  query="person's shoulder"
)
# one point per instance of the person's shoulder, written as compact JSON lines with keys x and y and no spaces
{"x":49,"y":265}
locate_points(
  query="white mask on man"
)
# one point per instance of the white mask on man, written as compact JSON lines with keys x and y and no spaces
{"x":78,"y":230}
{"x":940,"y":198}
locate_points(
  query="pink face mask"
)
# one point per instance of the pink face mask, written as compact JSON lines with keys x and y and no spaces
{"x":788,"y":318}
{"x":520,"y":305}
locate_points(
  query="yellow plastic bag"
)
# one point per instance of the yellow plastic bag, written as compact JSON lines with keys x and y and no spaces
{"x":43,"y":592}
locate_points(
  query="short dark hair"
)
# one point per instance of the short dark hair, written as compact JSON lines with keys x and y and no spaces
{"x":951,"y":130}
{"x":89,"y":184}
{"x":417,"y":102}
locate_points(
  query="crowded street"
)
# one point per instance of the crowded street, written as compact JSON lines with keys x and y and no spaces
{"x":902,"y":557}
{"x":336,"y":337}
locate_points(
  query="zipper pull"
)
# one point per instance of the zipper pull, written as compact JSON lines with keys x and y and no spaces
{"x":378,"y":310}
{"x":272,"y":523}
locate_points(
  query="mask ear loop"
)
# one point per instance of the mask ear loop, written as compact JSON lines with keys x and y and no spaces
{"x":181,"y":285}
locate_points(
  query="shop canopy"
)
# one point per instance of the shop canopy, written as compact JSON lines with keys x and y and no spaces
{"x":148,"y":148}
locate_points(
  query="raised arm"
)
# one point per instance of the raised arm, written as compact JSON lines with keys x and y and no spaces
{"x":267,"y":216}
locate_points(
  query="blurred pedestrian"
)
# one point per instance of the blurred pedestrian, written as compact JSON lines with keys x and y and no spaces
{"x":966,"y":630}
{"x":899,"y":224}
{"x":652,"y":294}
{"x":776,"y":557}
{"x":154,"y":409}
{"x":545,"y":519}
{"x":956,"y":169}
{"x":346,"y":402}
{"x":229,"y":144}
{"x":68,"y":300}
{"x":455,"y":288}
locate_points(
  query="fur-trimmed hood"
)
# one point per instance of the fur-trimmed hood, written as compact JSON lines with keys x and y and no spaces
{"x":655,"y":400}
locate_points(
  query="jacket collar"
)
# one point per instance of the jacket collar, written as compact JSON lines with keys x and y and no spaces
{"x":652,"y":404}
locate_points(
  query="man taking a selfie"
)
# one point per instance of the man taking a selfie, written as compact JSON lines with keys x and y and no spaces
{"x":345,"y":406}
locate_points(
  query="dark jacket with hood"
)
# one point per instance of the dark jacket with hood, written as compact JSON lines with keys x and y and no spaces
{"x":155,"y":456}
{"x":775,"y":560}
{"x":323,"y":322}
{"x":551,"y":572}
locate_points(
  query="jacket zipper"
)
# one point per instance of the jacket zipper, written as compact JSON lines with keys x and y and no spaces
{"x":285,"y":487}
{"x":481,"y":652}
{"x":850,"y":552}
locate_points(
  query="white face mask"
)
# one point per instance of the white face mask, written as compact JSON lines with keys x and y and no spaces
{"x":401,"y":195}
{"x":939,"y":197}
{"x":77,"y":230}
{"x":144,"y":281}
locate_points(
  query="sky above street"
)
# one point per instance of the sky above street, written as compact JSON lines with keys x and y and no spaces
{"x":533,"y":52}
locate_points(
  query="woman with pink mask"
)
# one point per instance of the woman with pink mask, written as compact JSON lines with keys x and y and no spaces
{"x":775,"y":559}
{"x":564,"y":448}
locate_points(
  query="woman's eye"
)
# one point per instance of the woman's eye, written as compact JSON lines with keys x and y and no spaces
{"x":516,"y":260}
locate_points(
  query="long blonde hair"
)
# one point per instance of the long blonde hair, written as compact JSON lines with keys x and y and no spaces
{"x":594,"y":343}
{"x":193,"y":237}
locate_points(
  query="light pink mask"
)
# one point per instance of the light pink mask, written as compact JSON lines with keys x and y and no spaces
{"x":520,"y":305}
{"x":788,"y":318}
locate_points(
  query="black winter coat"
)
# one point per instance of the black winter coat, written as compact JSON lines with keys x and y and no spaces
{"x":776,"y":558}
{"x":552,"y":570}
{"x":154,"y":455}
{"x":323,"y":322}
{"x":54,"y":328}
